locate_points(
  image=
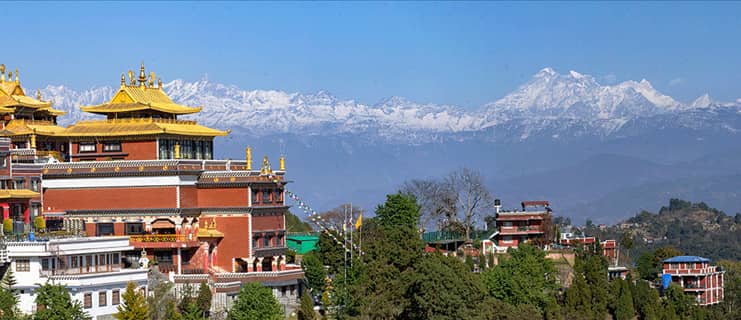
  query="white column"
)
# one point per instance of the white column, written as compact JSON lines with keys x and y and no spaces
{"x":180,"y":262}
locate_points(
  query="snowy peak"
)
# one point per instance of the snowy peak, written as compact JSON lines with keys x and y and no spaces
{"x":702,"y":101}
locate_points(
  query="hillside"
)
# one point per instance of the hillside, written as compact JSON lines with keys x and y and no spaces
{"x":694,"y":228}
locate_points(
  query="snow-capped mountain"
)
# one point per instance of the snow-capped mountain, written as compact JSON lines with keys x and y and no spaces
{"x":549,"y":103}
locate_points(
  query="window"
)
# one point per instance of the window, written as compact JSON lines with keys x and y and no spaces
{"x":266,"y":196}
{"x":116,"y":259}
{"x":35,"y":184}
{"x":255,"y":192}
{"x":22,"y":265}
{"x":46,"y":264}
{"x":20,"y":184}
{"x":88,"y":301}
{"x":266,"y":242}
{"x":73,"y":262}
{"x":283,"y":291}
{"x":134,"y":228}
{"x":255,"y":242}
{"x":112,"y":147}
{"x":104,"y":229}
{"x":102,"y":299}
{"x":115,"y":297}
{"x":87,"y":147}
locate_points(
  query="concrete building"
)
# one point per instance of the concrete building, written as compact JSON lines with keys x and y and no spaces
{"x":90,"y":267}
{"x":698,"y":278}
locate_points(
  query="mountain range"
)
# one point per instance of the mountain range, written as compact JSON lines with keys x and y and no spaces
{"x":564,"y":137}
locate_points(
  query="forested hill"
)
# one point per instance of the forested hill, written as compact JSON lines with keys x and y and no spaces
{"x":693,"y":228}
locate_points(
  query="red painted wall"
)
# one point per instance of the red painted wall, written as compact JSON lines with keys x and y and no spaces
{"x":109,"y":198}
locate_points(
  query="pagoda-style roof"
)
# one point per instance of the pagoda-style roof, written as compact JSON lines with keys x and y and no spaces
{"x":134,"y":97}
{"x":13,"y":96}
{"x":40,"y":127}
{"x":139,"y":126}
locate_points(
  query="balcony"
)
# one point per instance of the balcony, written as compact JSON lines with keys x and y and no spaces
{"x":520,"y":230}
{"x":162,"y":241}
{"x":81,"y":270}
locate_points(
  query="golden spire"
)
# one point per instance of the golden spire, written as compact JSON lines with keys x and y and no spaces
{"x":123,"y":79}
{"x":2,"y":72}
{"x":131,"y":78}
{"x":282,"y":163}
{"x":142,"y":76}
{"x":159,"y":83}
{"x":10,"y":75}
{"x":38,"y":94}
{"x":16,"y":76}
{"x":248,"y":157}
{"x":151,"y":79}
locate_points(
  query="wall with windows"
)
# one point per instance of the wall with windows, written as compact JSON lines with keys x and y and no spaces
{"x":122,"y":198}
{"x":189,"y":149}
{"x":114,"y":150}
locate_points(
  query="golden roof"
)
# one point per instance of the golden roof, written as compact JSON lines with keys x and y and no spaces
{"x":12,"y":95}
{"x":143,"y":96}
{"x":39,"y":127}
{"x":139,"y":126}
{"x":18,"y":193}
{"x":209,"y":230}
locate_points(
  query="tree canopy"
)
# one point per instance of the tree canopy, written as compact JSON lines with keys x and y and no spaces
{"x":255,"y":302}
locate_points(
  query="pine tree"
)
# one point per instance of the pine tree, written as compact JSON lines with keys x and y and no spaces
{"x":186,"y":296}
{"x":55,"y":303}
{"x":8,"y":304}
{"x":171,"y":311}
{"x":8,"y":280}
{"x":255,"y":302}
{"x":203,"y":300}
{"x":306,"y":311}
{"x":134,"y":305}
{"x":192,"y":312}
{"x":624,"y":310}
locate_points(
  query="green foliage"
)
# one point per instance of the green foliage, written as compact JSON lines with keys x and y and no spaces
{"x":55,"y":303}
{"x":294,"y":224}
{"x":306,"y":310}
{"x":171,"y":311}
{"x":134,"y":306}
{"x":527,"y":277}
{"x":8,"y":280}
{"x":192,"y":312}
{"x":161,"y":298}
{"x":255,"y":302}
{"x":624,"y":309}
{"x":39,"y":223}
{"x":442,"y":288}
{"x":682,"y":304}
{"x":314,"y":272}
{"x":8,"y":226}
{"x":588,"y":297}
{"x":8,"y":304}
{"x":493,"y":309}
{"x":730,"y":308}
{"x":399,"y":211}
{"x":186,"y":298}
{"x":330,"y":253}
{"x":650,"y":263}
{"x":646,"y":301}
{"x":203,"y":300}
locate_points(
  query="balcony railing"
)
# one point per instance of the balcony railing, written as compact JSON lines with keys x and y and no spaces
{"x":55,"y":154}
{"x":82,"y":270}
{"x":158,"y":238}
{"x":520,"y":229}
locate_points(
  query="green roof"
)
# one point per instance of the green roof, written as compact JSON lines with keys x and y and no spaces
{"x":302,"y":243}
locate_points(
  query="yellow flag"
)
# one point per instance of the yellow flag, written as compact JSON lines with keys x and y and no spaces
{"x":359,"y":222}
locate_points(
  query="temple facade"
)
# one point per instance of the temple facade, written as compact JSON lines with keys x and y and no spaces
{"x":141,"y":172}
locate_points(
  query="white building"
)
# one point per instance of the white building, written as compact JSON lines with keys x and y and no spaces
{"x":90,"y":267}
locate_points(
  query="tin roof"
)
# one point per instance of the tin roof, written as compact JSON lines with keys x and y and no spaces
{"x":684,"y":259}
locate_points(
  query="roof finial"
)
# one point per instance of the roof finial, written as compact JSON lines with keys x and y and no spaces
{"x":159,"y":83}
{"x":142,"y":76}
{"x":10,"y":75}
{"x":123,"y":79}
{"x":38,"y":94}
{"x":151,"y":79}
{"x":131,"y":78}
{"x":16,"y":76}
{"x":2,"y":72}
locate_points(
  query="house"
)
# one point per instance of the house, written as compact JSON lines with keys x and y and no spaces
{"x":696,"y":276}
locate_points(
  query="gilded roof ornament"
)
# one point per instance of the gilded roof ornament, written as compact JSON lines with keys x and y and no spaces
{"x":2,"y":72}
{"x":123,"y":79}
{"x":38,"y":94}
{"x":16,"y":76}
{"x":266,"y":166}
{"x":151,"y":79}
{"x":131,"y":78}
{"x":159,"y":83}
{"x":142,"y":76}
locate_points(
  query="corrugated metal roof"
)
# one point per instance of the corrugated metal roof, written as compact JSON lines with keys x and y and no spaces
{"x":684,"y":259}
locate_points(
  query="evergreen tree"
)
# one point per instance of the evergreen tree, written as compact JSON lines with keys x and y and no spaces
{"x":171,"y":311}
{"x":54,"y":303}
{"x":203,"y":300}
{"x":161,"y":297}
{"x":186,"y":298}
{"x":624,"y":309}
{"x":8,"y":305}
{"x":314,"y":272}
{"x":192,"y":312}
{"x":306,"y":311}
{"x":646,"y":301}
{"x":134,"y":306}
{"x":8,"y":280}
{"x":255,"y":302}
{"x":442,"y":288}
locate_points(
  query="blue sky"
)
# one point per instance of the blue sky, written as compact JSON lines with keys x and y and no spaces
{"x":455,"y":53}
